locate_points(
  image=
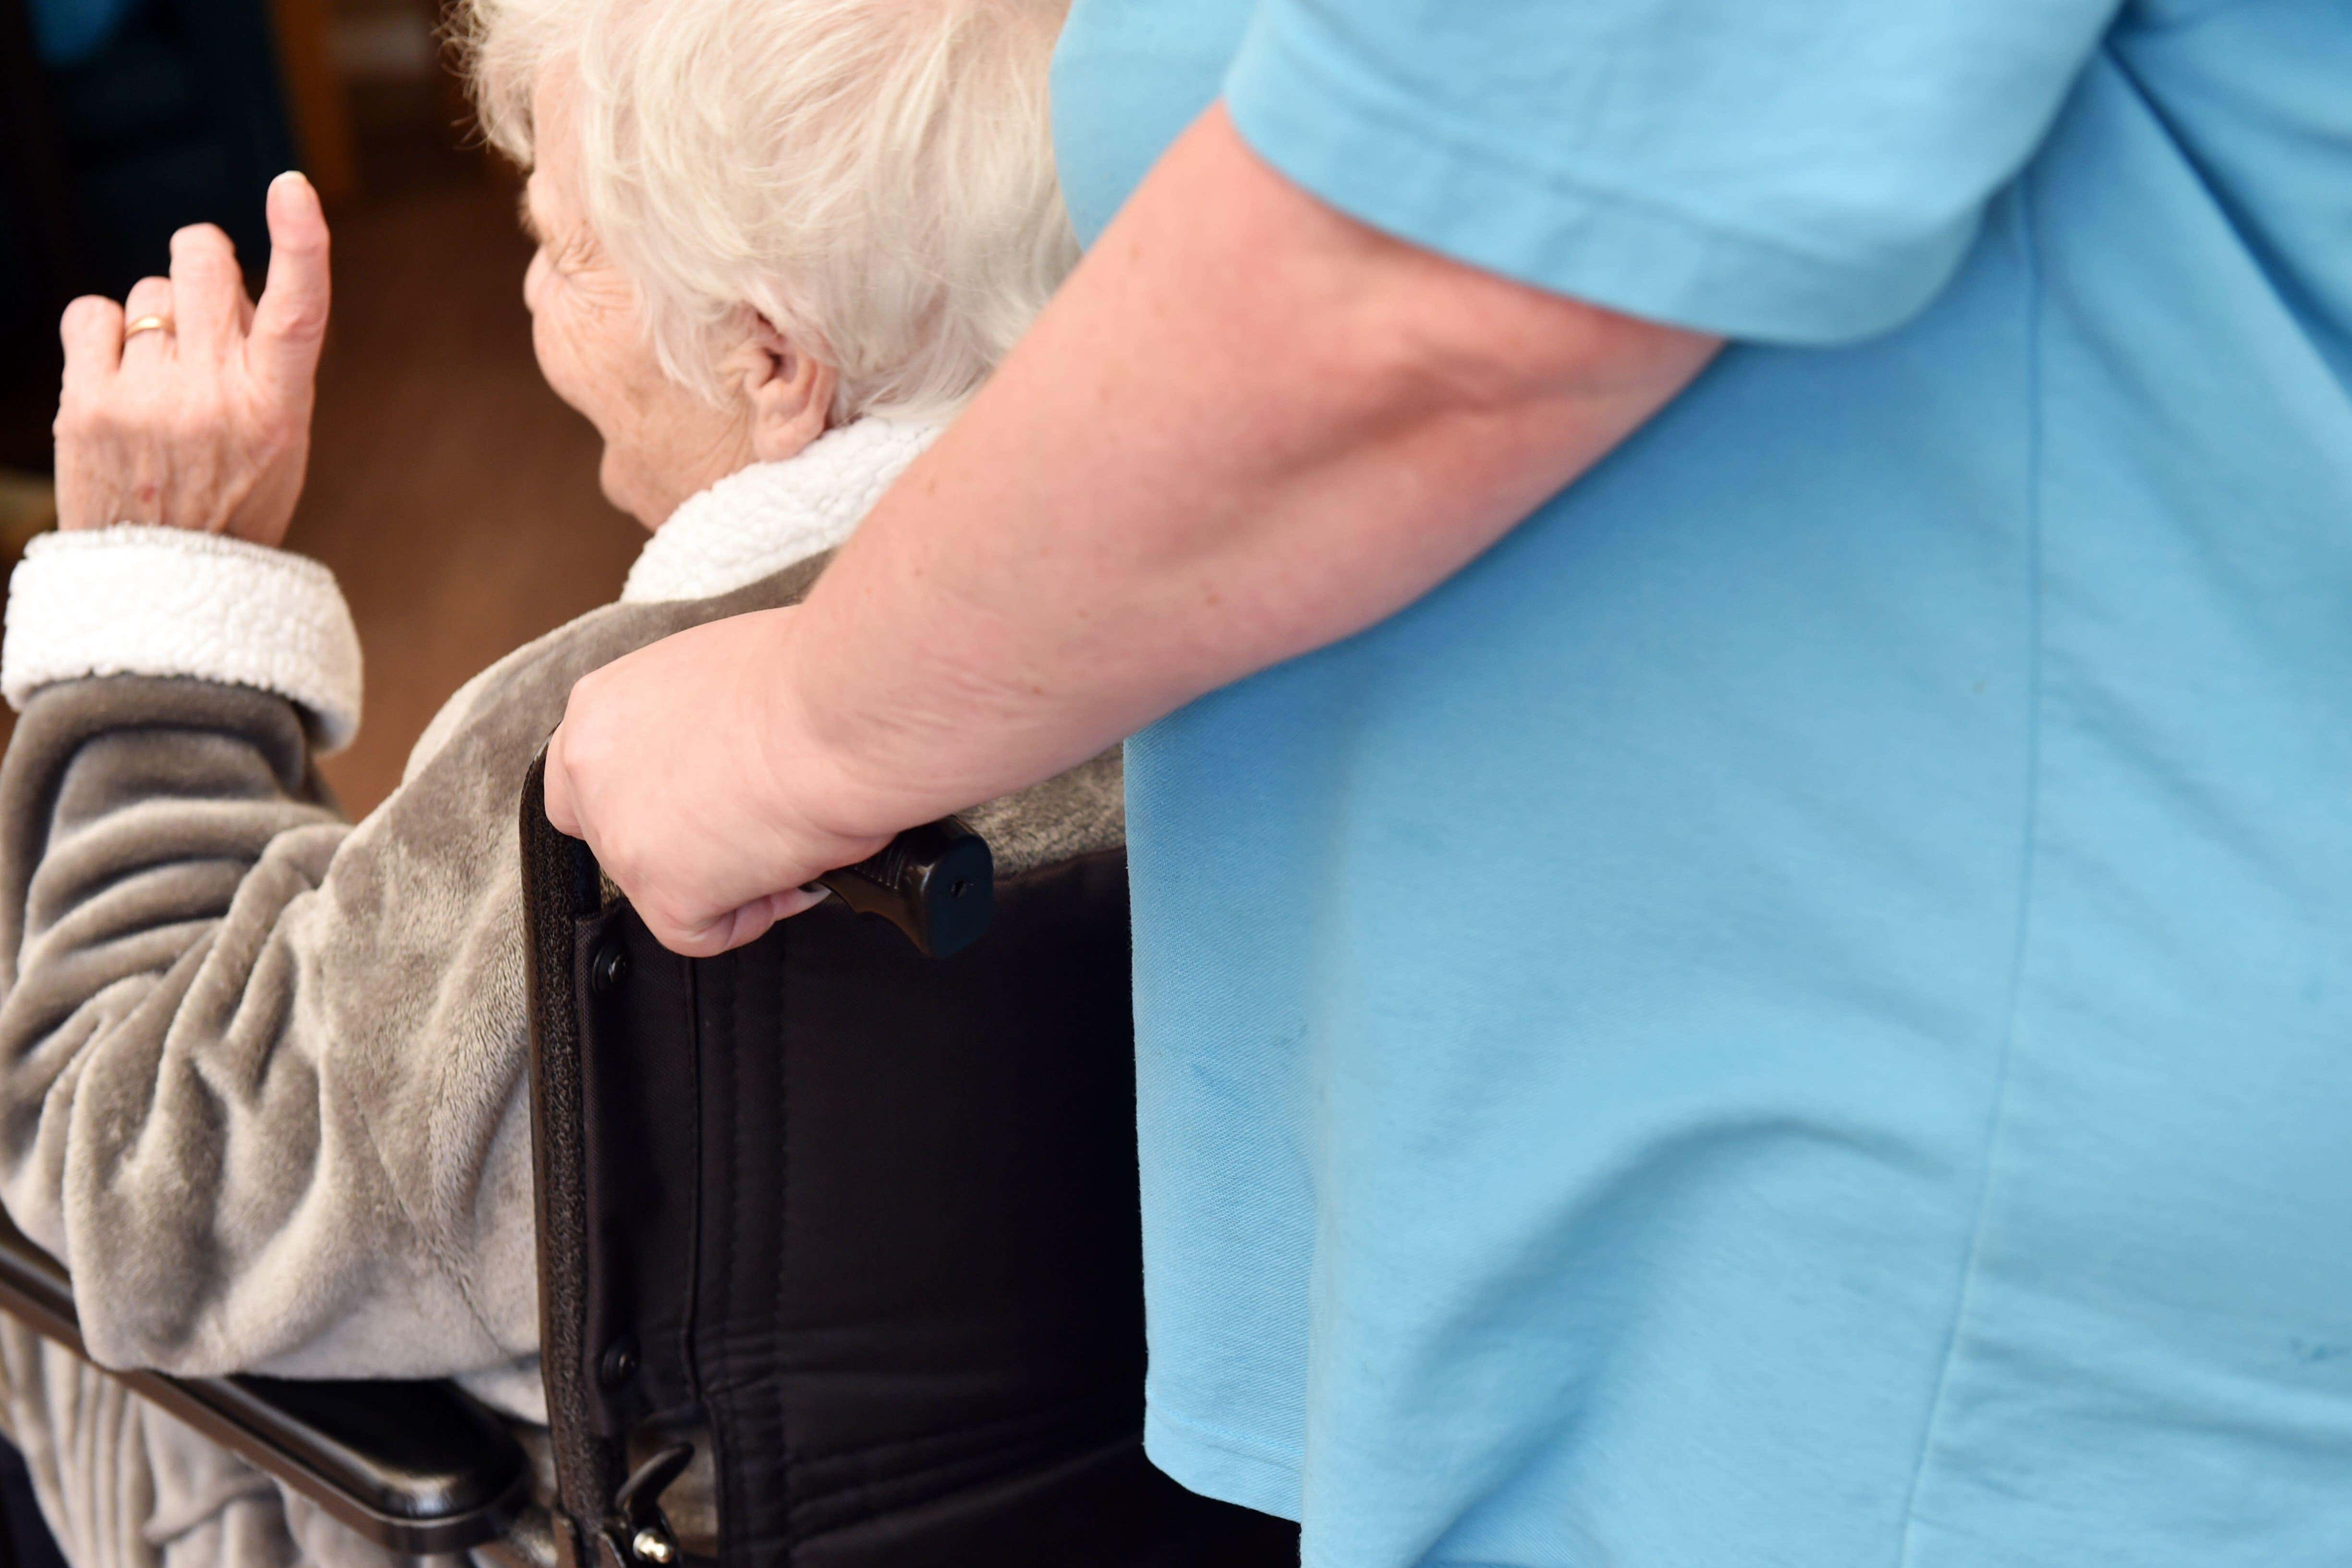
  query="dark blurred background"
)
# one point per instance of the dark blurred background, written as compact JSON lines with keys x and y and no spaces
{"x":451,"y":492}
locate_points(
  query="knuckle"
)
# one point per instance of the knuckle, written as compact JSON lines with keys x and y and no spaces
{"x":303,"y":318}
{"x":77,"y":410}
{"x":307,"y":240}
{"x":620,"y":854}
{"x":672,"y":926}
{"x":581,"y":736}
{"x":191,"y":419}
{"x":90,"y":421}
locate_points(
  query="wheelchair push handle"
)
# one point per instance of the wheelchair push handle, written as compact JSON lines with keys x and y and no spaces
{"x":936,"y":883}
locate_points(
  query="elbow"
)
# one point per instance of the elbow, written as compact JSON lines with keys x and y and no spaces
{"x":1447,"y":338}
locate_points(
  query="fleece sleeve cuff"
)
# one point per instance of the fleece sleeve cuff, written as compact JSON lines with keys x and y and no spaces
{"x":140,"y":600}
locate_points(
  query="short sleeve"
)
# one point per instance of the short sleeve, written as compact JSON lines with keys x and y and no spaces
{"x":1788,"y":171}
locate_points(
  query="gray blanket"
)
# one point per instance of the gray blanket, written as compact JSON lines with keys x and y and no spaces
{"x":261,"y":1068}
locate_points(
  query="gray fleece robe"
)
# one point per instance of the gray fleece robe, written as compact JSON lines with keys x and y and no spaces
{"x":262,"y":1068}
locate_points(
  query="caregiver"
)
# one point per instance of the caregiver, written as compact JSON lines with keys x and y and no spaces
{"x":1790,"y":1007}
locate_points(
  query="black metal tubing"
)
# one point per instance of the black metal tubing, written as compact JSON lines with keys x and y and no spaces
{"x":416,"y":1468}
{"x":562,"y":885}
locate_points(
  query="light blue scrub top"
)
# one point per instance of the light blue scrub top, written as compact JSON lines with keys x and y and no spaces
{"x":1800,"y":1011}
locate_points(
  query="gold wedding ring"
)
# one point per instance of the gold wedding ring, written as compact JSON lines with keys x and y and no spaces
{"x":147,"y":324}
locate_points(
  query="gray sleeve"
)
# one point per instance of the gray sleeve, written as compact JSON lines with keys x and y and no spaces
{"x":260,"y":1069}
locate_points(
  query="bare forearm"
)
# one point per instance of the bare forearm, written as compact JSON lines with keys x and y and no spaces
{"x":1247,"y":427}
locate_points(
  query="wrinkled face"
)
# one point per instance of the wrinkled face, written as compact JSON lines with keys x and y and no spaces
{"x":663,"y":442}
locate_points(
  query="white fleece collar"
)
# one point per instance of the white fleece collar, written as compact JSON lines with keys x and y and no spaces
{"x":759,"y":521}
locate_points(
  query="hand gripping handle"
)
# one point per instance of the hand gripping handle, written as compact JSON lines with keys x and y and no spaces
{"x":936,"y":883}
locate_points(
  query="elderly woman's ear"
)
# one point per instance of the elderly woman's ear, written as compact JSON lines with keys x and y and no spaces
{"x":789,"y":392}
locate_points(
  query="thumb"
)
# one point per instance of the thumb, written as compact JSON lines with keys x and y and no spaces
{"x":735,"y":928}
{"x":290,"y":321}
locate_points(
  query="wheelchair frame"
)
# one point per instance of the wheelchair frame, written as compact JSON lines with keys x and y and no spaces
{"x":423,"y":1468}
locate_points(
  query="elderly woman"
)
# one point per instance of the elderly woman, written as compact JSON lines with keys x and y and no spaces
{"x":263,"y":1067}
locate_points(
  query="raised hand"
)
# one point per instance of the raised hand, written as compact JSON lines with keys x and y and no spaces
{"x":187,"y":404}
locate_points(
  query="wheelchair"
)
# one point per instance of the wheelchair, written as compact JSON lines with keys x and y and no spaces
{"x":850,"y":1212}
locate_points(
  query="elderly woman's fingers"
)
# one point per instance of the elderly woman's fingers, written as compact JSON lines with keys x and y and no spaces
{"x":149,"y":300}
{"x":91,"y":331}
{"x":206,"y":289}
{"x":290,"y":320}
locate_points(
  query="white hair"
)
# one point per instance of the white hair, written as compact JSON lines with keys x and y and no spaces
{"x":875,"y":177}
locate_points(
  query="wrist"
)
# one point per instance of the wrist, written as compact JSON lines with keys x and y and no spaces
{"x":817,"y":783}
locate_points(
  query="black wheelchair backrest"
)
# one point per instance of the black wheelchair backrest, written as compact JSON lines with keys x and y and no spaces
{"x":864,"y":1219}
